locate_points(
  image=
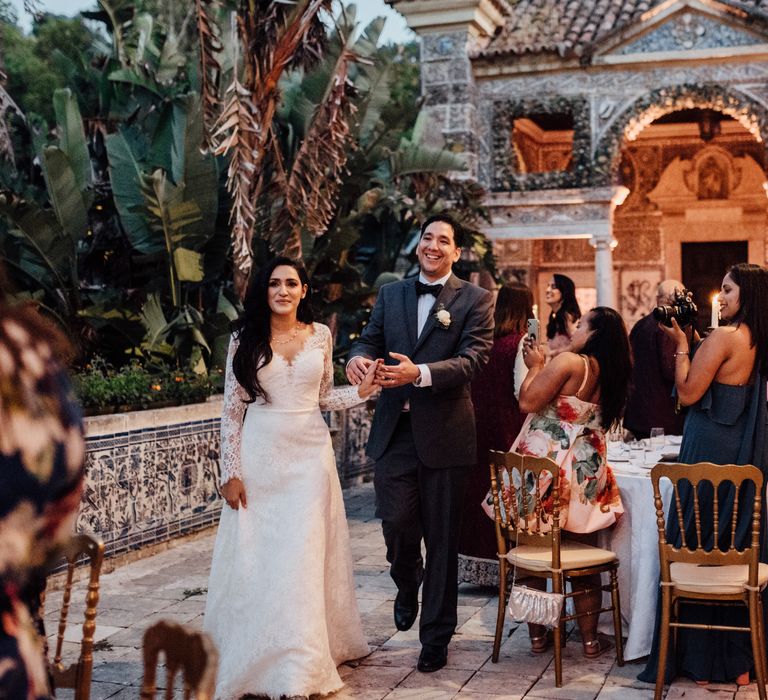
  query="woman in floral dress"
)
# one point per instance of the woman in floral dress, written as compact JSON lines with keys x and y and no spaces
{"x":41,"y":468}
{"x":571,"y":402}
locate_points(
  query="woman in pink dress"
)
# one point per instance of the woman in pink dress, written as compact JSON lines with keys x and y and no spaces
{"x":572,"y":402}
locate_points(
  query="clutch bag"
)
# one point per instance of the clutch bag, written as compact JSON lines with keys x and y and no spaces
{"x":538,"y":607}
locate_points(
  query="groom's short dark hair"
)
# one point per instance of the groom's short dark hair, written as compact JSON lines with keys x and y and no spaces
{"x":458,"y":230}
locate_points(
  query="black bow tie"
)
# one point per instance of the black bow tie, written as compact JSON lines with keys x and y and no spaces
{"x":433,"y":289}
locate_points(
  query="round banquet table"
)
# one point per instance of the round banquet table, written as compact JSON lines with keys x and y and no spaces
{"x":635,"y":541}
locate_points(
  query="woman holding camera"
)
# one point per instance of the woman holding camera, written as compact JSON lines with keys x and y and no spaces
{"x":724,"y":383}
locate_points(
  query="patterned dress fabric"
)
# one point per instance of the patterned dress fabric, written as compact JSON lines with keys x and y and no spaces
{"x":569,"y":432}
{"x":281,"y":604}
{"x":41,"y":463}
{"x":498,"y":421}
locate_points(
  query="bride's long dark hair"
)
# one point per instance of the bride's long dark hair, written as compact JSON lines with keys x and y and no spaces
{"x":253,"y":328}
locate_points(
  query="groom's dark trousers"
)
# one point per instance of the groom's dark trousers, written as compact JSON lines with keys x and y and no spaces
{"x":423,"y":439}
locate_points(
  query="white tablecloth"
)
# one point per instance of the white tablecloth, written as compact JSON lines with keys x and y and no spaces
{"x":635,"y":540}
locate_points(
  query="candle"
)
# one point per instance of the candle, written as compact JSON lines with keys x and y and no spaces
{"x":715,"y":319}
{"x":535,"y":310}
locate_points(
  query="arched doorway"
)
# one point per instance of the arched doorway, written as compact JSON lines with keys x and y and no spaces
{"x":695,"y":169}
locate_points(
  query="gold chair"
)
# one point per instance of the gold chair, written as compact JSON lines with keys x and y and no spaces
{"x":538,"y":551}
{"x":732,"y":577}
{"x":185,"y":649}
{"x":78,"y":674}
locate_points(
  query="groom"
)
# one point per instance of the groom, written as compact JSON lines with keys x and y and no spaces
{"x":434,"y":333}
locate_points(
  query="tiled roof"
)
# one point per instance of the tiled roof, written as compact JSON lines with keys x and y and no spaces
{"x":503,"y":6}
{"x":569,"y":26}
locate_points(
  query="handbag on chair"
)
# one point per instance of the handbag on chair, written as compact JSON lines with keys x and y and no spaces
{"x":532,"y":605}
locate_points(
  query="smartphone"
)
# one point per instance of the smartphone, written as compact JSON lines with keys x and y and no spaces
{"x":533,"y":328}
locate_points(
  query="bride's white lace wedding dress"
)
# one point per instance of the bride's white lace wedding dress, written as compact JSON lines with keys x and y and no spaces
{"x":281,"y":604}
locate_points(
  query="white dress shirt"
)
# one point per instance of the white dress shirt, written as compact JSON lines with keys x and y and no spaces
{"x":424,"y":305}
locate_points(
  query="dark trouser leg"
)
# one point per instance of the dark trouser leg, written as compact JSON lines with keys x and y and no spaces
{"x":441,"y":497}
{"x":396,"y":480}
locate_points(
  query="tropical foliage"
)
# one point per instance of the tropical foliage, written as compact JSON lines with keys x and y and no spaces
{"x":172,"y":143}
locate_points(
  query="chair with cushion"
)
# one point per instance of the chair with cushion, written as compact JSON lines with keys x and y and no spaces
{"x":186,"y":650}
{"x":699,"y":572}
{"x":78,"y":674}
{"x":529,"y":537}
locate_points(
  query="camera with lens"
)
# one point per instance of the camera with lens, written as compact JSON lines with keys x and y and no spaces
{"x":682,"y":309}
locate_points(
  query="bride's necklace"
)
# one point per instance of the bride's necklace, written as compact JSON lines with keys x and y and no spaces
{"x":287,"y":340}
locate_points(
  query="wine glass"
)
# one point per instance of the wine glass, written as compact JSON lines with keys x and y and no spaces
{"x":656,"y":438}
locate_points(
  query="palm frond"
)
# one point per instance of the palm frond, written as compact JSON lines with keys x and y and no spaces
{"x":210,"y":68}
{"x":238,"y":128}
{"x":315,"y":177}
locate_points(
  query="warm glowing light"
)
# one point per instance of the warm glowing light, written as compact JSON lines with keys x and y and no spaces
{"x":715,"y":319}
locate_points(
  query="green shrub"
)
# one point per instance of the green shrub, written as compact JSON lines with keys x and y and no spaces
{"x":132,"y":387}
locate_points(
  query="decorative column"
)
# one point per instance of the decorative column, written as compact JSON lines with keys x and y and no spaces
{"x":604,"y":245}
{"x":449,"y":29}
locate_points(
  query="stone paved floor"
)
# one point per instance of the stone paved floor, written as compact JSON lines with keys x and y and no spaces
{"x":172,"y":585}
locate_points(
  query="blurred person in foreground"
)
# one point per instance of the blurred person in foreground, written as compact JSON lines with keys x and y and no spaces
{"x":724,"y":383}
{"x":650,"y":402}
{"x":565,"y":312}
{"x":572,"y":402}
{"x":498,"y":420}
{"x":41,"y":470}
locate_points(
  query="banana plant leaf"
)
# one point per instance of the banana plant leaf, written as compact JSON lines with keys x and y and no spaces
{"x":189,"y":265}
{"x":72,"y":137}
{"x":412,"y":157}
{"x":67,"y":198}
{"x":126,"y":177}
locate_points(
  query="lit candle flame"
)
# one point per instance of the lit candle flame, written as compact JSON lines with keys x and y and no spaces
{"x":715,"y":318}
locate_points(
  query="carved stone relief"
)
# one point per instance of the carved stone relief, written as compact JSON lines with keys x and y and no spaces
{"x":689,"y":31}
{"x":565,"y":251}
{"x":641,"y":241}
{"x":638,"y":292}
{"x":513,"y":251}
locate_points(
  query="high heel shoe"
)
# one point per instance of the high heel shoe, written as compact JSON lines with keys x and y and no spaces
{"x":540,"y":645}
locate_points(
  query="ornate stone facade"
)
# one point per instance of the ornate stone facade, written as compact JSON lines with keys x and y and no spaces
{"x":615,"y":68}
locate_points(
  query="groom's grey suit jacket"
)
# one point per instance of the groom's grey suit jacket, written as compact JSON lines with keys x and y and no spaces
{"x":442,"y":416}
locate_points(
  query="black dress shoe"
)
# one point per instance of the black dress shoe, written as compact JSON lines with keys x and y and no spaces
{"x":432,"y":658}
{"x":406,"y":609}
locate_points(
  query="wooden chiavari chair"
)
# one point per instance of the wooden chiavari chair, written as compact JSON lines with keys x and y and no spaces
{"x":186,"y":650}
{"x":77,"y":675}
{"x":529,"y":537}
{"x":732,"y":576}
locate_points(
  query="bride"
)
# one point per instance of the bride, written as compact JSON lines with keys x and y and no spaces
{"x":281,"y":604}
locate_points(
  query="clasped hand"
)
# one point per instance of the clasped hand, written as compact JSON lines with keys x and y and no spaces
{"x":386,"y":376}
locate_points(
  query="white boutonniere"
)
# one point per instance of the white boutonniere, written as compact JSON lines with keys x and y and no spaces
{"x":443,"y":316}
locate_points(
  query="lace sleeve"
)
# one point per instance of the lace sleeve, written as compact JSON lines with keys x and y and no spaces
{"x":334,"y":398}
{"x":232,"y":416}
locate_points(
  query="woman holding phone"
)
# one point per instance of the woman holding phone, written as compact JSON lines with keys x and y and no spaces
{"x":571,"y":402}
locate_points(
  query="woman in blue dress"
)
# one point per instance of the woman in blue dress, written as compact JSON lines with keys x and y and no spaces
{"x":724,"y":383}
